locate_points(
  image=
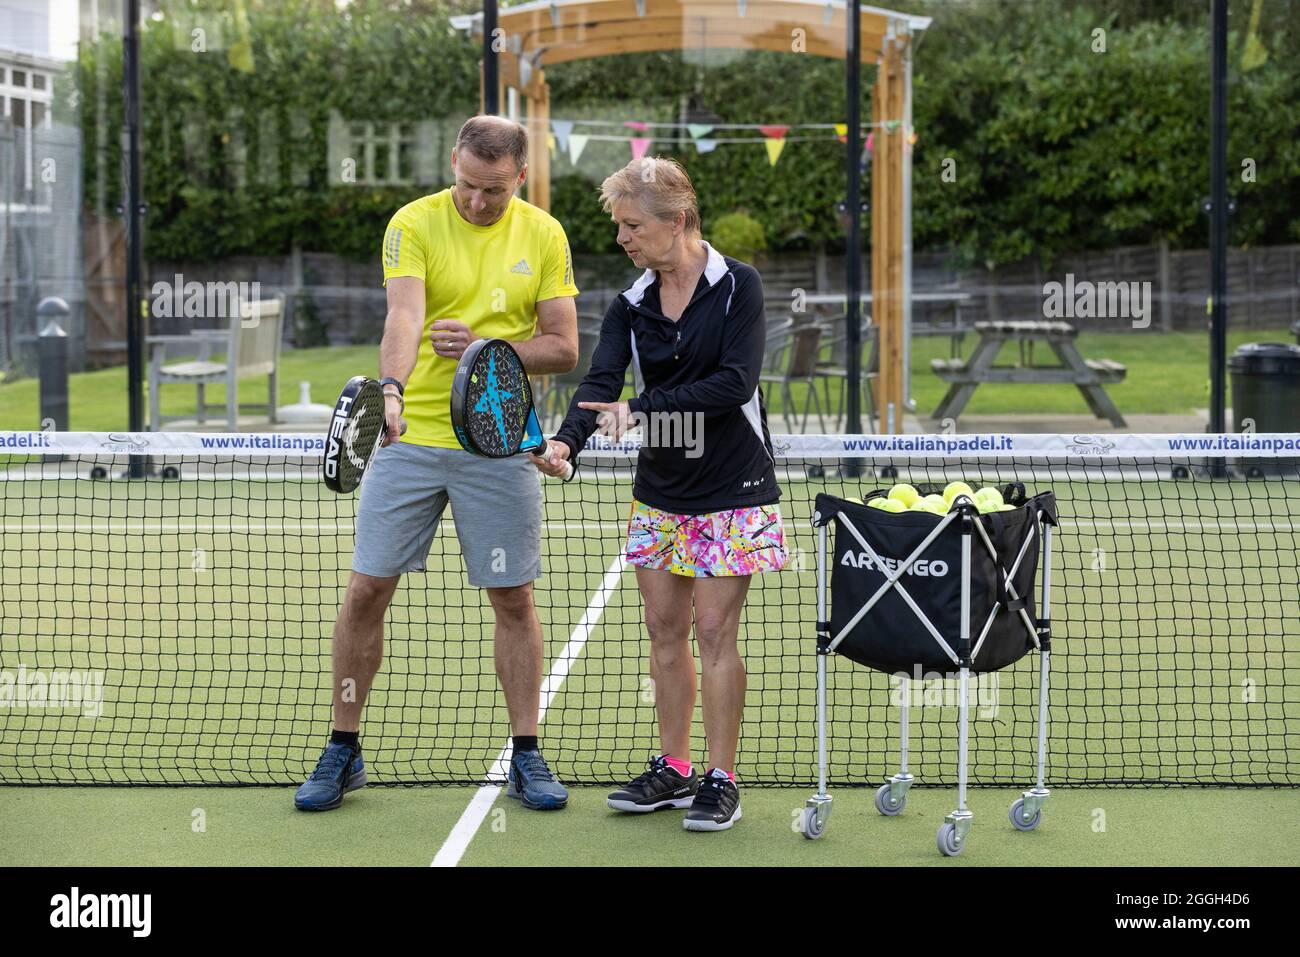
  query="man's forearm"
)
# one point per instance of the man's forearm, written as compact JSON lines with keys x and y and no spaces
{"x":399,"y":347}
{"x":547,"y":354}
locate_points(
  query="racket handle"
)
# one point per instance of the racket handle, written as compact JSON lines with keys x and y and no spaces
{"x":545,"y":454}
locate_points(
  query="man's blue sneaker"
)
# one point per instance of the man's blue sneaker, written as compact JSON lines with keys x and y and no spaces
{"x":532,"y":782}
{"x":339,"y":770}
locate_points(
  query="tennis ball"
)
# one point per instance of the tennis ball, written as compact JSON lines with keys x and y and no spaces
{"x":875,"y":502}
{"x":891,"y":505}
{"x":855,"y":501}
{"x":1005,"y":508}
{"x":990,"y":494}
{"x":904,"y":493}
{"x":936,"y":501}
{"x":957,"y":488}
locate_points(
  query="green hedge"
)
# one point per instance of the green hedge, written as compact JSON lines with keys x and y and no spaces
{"x":1057,"y":148}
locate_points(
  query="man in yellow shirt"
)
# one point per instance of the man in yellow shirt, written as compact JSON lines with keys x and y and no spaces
{"x":473,"y":261}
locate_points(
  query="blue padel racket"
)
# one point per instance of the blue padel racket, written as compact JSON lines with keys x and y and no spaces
{"x":492,"y":410}
{"x":355,"y":431}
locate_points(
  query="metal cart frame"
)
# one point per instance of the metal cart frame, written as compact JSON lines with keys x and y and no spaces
{"x":891,"y":798}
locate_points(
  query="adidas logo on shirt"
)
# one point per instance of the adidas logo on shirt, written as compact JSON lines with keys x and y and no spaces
{"x":521,"y":267}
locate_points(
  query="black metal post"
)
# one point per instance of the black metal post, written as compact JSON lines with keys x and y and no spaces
{"x":1218,"y":211}
{"x":52,"y":349}
{"x":491,"y":67}
{"x":132,"y":212}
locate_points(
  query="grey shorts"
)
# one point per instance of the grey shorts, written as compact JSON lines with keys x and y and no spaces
{"x":496,"y":505}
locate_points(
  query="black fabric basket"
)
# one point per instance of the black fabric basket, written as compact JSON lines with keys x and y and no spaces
{"x":890,"y":637}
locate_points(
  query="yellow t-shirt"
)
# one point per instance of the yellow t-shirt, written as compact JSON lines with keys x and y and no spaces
{"x":488,"y":277}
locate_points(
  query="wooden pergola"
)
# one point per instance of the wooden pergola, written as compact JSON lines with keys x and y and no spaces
{"x":536,"y":35}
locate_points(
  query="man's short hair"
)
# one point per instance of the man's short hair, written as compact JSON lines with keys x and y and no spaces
{"x":491,"y":138}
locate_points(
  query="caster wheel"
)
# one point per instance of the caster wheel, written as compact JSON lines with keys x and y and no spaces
{"x":171,"y":472}
{"x":886,"y":805}
{"x":809,"y":826}
{"x":99,"y":473}
{"x":1254,"y":472}
{"x":1018,"y":819}
{"x":946,"y":839}
{"x":1182,"y":472}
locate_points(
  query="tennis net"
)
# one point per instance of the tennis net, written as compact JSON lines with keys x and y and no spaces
{"x":177,"y":631}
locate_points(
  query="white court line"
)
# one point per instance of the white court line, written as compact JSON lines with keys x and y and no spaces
{"x":454,"y":847}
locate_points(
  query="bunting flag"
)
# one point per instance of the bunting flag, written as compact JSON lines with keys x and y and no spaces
{"x":774,"y":132}
{"x":577,"y":143}
{"x":706,"y":146}
{"x":842,"y":132}
{"x":1255,"y":54}
{"x":774,"y":148}
{"x":550,"y":141}
{"x":639,"y":125}
{"x":911,"y":138}
{"x":871,"y":141}
{"x":698,"y":129}
{"x":639,"y":145}
{"x":562,"y":129}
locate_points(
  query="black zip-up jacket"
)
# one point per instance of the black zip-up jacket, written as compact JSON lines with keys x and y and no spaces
{"x":707,"y":362}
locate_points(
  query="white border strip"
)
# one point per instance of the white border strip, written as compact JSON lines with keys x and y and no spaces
{"x":1100,"y":447}
{"x":453,"y":849}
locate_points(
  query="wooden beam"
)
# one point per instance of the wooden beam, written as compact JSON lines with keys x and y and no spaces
{"x":576,"y":41}
{"x":538,"y":119}
{"x":523,"y":21}
{"x":887,"y":103}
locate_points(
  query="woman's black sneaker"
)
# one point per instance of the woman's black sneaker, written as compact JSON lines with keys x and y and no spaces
{"x":659,"y":786}
{"x":717,"y":804}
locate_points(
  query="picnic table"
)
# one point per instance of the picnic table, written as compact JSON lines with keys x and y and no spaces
{"x":1090,"y":375}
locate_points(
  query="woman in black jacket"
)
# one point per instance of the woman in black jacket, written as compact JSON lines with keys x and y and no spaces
{"x":704,"y":515}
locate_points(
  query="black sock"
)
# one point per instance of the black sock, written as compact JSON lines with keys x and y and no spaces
{"x":344,"y":737}
{"x":524,"y":742}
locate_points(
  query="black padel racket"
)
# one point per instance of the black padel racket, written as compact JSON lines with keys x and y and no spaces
{"x":354,"y":435}
{"x":492,"y":410}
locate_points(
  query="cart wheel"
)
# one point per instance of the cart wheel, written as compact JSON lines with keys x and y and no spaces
{"x":99,"y":473}
{"x":171,"y":472}
{"x":1018,"y":819}
{"x":809,"y":826}
{"x":885,"y":803}
{"x":949,"y":846}
{"x":1182,"y":472}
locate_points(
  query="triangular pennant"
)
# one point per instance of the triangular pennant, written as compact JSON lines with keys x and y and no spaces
{"x":698,"y":129}
{"x":562,"y":129}
{"x":550,"y":141}
{"x":639,"y":125}
{"x":774,"y":148}
{"x":639,"y":145}
{"x":871,"y":141}
{"x":842,"y":132}
{"x":774,"y":132}
{"x":706,"y":146}
{"x":577,"y":143}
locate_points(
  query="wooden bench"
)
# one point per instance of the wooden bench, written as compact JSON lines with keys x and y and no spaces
{"x":1089,"y":375}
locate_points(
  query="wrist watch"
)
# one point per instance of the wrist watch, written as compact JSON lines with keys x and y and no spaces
{"x":401,"y":393}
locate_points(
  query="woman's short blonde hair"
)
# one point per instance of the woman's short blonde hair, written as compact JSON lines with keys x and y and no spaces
{"x":659,"y":185}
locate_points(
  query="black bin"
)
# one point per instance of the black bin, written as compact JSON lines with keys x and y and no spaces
{"x":1266,"y":388}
